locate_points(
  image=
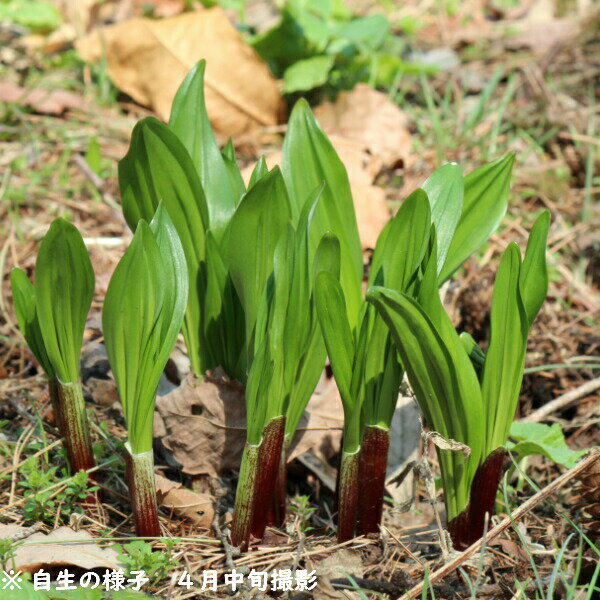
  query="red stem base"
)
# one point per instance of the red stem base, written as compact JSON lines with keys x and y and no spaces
{"x":466,"y":528}
{"x":269,"y":464}
{"x":277,"y":509}
{"x":139,"y":473}
{"x":347,"y":496}
{"x":372,"y":469}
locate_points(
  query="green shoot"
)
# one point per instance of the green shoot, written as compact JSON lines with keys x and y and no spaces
{"x":143,"y":312}
{"x":52,"y":317}
{"x":463,"y":399}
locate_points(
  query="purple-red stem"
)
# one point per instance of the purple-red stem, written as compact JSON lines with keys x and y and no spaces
{"x":372,"y":470}
{"x":277,"y":509}
{"x":270,"y":459}
{"x":469,"y":525}
{"x":347,"y":496}
{"x":139,"y":473}
{"x":73,"y":423}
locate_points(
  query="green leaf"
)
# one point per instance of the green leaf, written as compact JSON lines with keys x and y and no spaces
{"x":331,"y":311}
{"x":445,"y":190}
{"x":23,"y":294}
{"x":37,"y":15}
{"x":533,"y":281}
{"x":547,"y":440}
{"x":235,"y":177}
{"x":143,"y":312}
{"x":442,"y":385}
{"x":259,"y":171}
{"x":484,"y":207}
{"x":367,"y":32}
{"x":307,"y":74}
{"x":64,"y":287}
{"x":401,"y":247}
{"x":505,"y":358}
{"x":474,"y":351}
{"x":190,"y":123}
{"x":255,"y":229}
{"x":309,"y":159}
{"x":158,"y":168}
{"x":223,"y":316}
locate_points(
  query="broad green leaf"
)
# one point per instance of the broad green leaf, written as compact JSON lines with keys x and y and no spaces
{"x":309,"y":159}
{"x":445,"y":190}
{"x":474,"y":351}
{"x":484,"y":206}
{"x":505,"y":358}
{"x":547,"y":440}
{"x":327,"y":256}
{"x":64,"y":287}
{"x":254,"y":231}
{"x":23,"y":294}
{"x":143,"y":311}
{"x":369,"y":32}
{"x":404,"y":244}
{"x":331,"y":311}
{"x":235,"y":177}
{"x":307,"y":74}
{"x":451,"y":406}
{"x":176,"y":280}
{"x":190,"y":123}
{"x":223,"y":316}
{"x":312,"y":356}
{"x":259,"y":171}
{"x":158,"y":168}
{"x":533,"y":281}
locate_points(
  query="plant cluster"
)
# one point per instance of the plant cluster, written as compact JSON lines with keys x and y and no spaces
{"x":265,"y":281}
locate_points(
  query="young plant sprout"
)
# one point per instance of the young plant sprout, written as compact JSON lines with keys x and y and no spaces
{"x":181,"y":165}
{"x":271,"y":267}
{"x":142,"y":315}
{"x":364,"y":359}
{"x":465,"y":395}
{"x":52,"y":317}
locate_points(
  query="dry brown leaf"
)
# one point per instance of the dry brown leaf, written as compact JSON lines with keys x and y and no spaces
{"x":198,"y":508}
{"x":543,"y":36}
{"x":85,"y":553}
{"x":203,"y":424}
{"x":51,"y":102}
{"x":148,"y":59}
{"x":371,"y":119}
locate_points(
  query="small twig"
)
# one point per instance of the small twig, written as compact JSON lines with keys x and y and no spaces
{"x":563,"y":401}
{"x":517,"y":514}
{"x":229,"y":550}
{"x":28,"y":531}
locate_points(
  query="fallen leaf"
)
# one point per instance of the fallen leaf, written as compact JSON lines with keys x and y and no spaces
{"x":198,"y":508}
{"x":370,"y":118}
{"x":148,"y":59}
{"x":542,"y":36}
{"x":61,"y":547}
{"x":50,"y":102}
{"x":203,"y":424}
